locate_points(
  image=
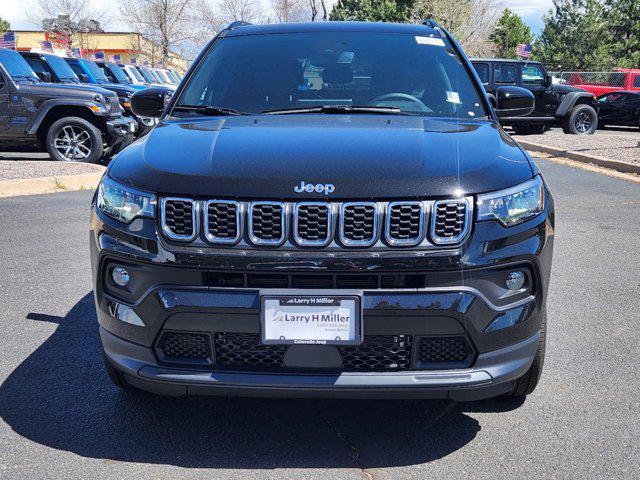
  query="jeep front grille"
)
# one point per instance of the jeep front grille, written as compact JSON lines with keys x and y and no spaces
{"x":359,"y":223}
{"x":318,"y":224}
{"x":450,"y":220}
{"x":222,"y":221}
{"x":267,"y":223}
{"x":312,"y":223}
{"x":179,"y":218}
{"x":405,"y":223}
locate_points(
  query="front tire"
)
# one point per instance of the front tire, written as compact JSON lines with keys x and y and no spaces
{"x":580,"y":120}
{"x":74,"y":139}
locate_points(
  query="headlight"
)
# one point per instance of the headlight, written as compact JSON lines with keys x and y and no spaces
{"x":124,"y":203}
{"x":513,"y":205}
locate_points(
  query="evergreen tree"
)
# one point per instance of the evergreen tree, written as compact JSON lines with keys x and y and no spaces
{"x":575,"y":37}
{"x":508,"y":33}
{"x":623,"y":22}
{"x":372,"y":10}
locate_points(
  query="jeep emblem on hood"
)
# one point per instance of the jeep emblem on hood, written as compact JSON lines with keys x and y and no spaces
{"x":325,"y":188}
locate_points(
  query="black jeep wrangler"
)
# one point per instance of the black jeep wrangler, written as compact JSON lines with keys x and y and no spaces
{"x":571,"y":108}
{"x":325,"y":209}
{"x":70,"y":122}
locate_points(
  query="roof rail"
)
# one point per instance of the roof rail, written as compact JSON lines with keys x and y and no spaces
{"x":236,"y":24}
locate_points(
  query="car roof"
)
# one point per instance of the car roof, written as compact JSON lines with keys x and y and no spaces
{"x":374,"y":27}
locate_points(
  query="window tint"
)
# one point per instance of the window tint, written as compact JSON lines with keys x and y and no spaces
{"x":17,"y":66}
{"x":504,"y":73}
{"x":256,"y":73}
{"x":612,"y":97}
{"x":36,"y":64}
{"x":77,"y":69}
{"x":636,"y":81}
{"x":483,"y":71}
{"x":62,"y":68}
{"x":532,"y":75}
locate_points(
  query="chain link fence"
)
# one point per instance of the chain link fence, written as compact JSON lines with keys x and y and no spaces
{"x":614,"y":79}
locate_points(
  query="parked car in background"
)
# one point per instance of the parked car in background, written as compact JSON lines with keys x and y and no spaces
{"x":600,"y":83}
{"x":135,"y":77}
{"x":164,"y":76}
{"x":571,"y":108}
{"x":115,"y":74}
{"x":619,"y":108}
{"x":152,"y":78}
{"x":70,"y":122}
{"x":89,"y":71}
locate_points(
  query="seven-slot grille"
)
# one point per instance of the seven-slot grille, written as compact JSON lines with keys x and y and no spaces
{"x":267,"y":223}
{"x":179,"y":219}
{"x":450,"y":220}
{"x":358,"y":224}
{"x":222,"y":221}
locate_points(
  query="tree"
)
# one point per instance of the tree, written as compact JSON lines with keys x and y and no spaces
{"x":166,"y":23}
{"x":471,"y":22}
{"x":215,"y":17}
{"x":290,"y":10}
{"x":65,"y":20}
{"x":372,"y":10}
{"x":4,"y":25}
{"x":575,"y":37}
{"x":623,"y":22}
{"x":508,"y":33}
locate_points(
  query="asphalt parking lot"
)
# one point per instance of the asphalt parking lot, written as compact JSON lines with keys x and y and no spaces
{"x":61,"y":417}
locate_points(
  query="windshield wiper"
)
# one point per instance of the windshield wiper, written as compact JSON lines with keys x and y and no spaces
{"x":336,"y":109}
{"x":208,"y":110}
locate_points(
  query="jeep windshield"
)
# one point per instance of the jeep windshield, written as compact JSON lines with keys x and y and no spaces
{"x":295,"y":72}
{"x":17,"y":67}
{"x":62,"y":68}
{"x":96,"y":71}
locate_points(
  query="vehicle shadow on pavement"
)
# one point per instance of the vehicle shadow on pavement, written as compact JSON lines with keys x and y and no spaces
{"x":61,"y":397}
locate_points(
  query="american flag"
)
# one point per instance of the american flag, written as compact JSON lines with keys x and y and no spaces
{"x":75,"y":52}
{"x":523,"y":50}
{"x":117,"y":58}
{"x":99,"y":55}
{"x":47,"y":46}
{"x":8,"y":40}
{"x":133,"y":61}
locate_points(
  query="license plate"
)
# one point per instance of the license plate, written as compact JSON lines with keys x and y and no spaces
{"x":311,"y":319}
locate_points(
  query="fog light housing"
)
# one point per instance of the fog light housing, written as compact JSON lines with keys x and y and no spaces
{"x":120,"y":276}
{"x":515,"y":281}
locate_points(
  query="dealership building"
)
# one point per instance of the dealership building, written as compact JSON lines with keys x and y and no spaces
{"x":131,"y":47}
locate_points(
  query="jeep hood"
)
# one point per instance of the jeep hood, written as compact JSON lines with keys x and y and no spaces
{"x":363,"y":156}
{"x":69,"y":90}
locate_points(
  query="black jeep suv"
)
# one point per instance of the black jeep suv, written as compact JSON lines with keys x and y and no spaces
{"x":70,"y":123}
{"x":325,"y":209}
{"x":571,"y":108}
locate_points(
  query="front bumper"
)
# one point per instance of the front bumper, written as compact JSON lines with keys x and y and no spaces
{"x":171,"y":290}
{"x":121,"y":127}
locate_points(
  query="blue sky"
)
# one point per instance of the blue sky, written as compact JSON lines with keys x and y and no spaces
{"x":531,"y":11}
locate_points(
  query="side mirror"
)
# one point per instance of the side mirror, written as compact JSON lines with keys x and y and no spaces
{"x":84,"y":78}
{"x":514,"y":102}
{"x":110,"y":78}
{"x":44,"y":76}
{"x":547,"y":81}
{"x":149,"y":102}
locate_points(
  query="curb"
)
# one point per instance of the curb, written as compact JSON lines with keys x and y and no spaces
{"x":63,"y":183}
{"x":582,"y":157}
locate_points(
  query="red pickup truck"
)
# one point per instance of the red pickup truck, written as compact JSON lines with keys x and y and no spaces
{"x":600,"y":83}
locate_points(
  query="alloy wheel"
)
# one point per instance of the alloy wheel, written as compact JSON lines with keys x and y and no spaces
{"x":583,"y":122}
{"x":73,"y":142}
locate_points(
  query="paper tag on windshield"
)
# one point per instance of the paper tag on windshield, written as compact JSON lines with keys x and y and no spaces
{"x":453,"y":97}
{"x":438,"y":42}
